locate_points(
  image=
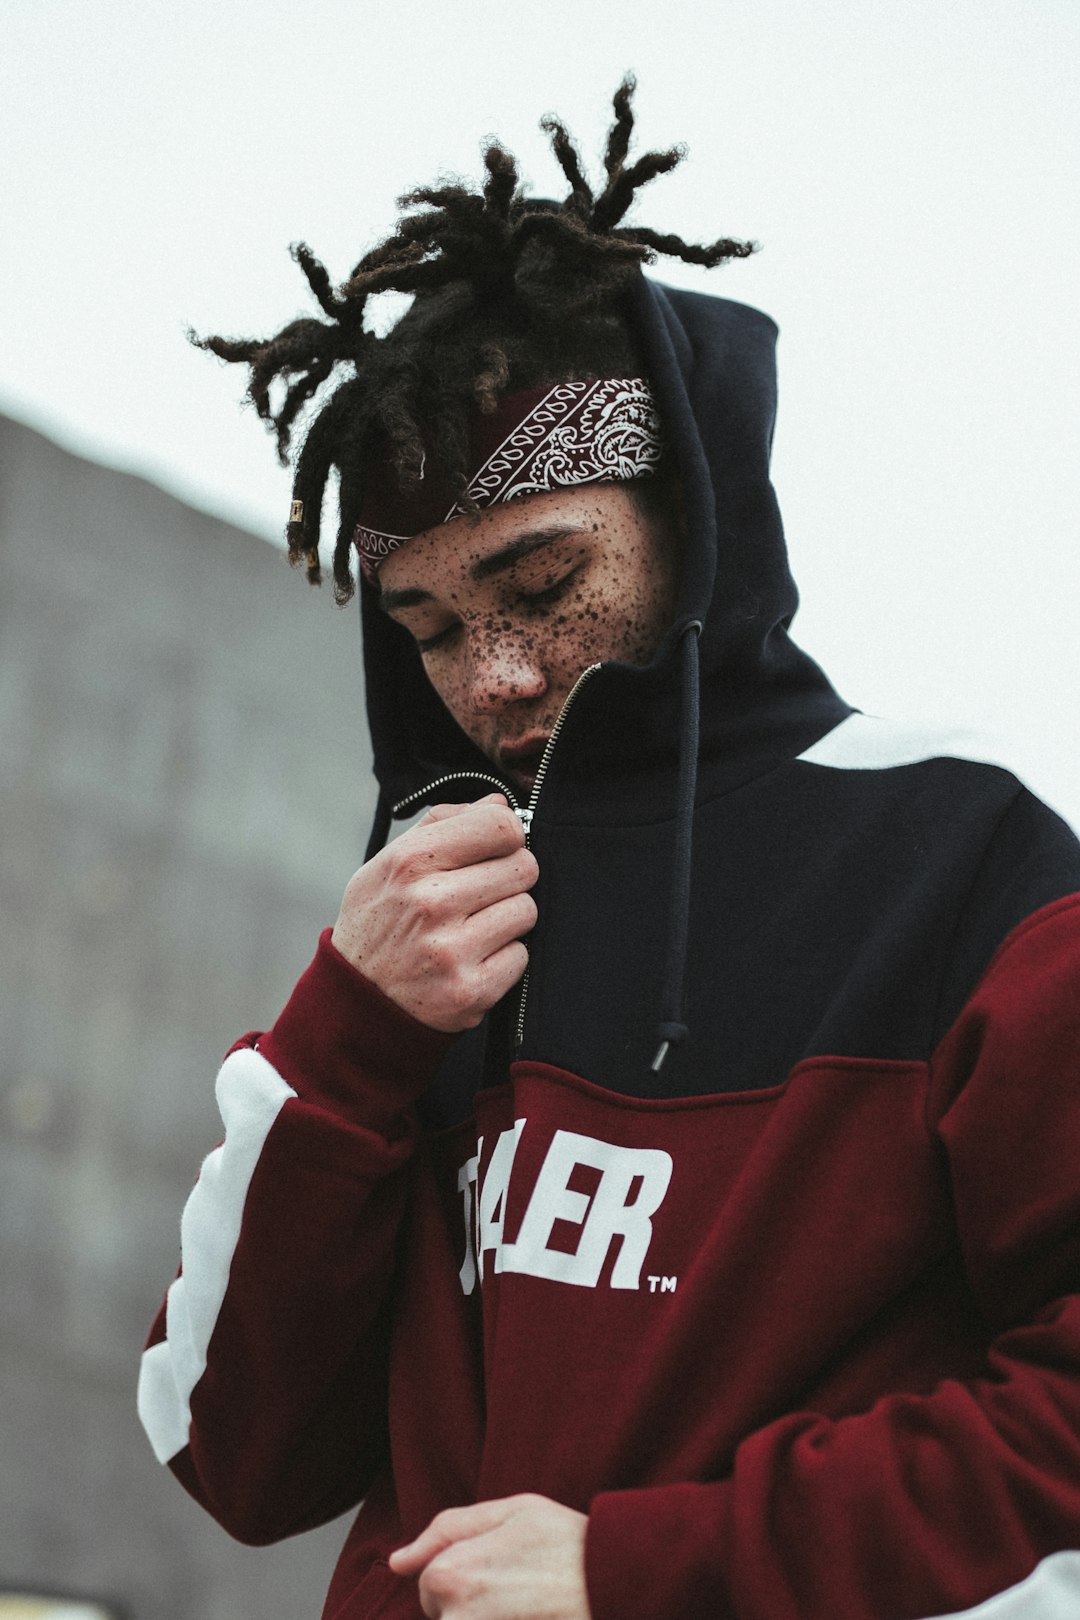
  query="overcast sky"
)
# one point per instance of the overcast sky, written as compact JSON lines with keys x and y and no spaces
{"x":910,"y":168}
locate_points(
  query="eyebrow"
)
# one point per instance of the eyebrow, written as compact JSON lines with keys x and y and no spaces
{"x":497,"y":562}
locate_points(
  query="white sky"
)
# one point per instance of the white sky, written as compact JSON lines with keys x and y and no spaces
{"x":910,"y":168}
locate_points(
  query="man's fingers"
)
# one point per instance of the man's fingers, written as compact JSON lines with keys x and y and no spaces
{"x":418,"y":1554}
{"x":472,"y":890}
{"x":469,"y":833}
{"x":487,"y":931}
{"x":454,"y":1524}
{"x":502,"y":971}
{"x":443,"y":812}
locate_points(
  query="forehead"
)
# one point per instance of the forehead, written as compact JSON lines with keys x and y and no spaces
{"x":476,"y":546}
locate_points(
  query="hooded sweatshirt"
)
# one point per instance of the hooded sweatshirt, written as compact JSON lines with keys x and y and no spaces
{"x":790,"y":1316}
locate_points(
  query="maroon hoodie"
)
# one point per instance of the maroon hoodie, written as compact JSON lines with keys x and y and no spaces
{"x":794,"y":1319}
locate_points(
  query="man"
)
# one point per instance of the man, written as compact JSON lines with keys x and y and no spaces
{"x":658,"y":1197}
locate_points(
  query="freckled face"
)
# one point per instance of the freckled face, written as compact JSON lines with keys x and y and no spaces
{"x":508,"y":606}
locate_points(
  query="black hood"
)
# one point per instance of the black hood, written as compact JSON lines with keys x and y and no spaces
{"x":711,"y":363}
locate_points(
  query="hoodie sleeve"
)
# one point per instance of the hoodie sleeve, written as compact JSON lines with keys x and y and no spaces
{"x":965,"y":1500}
{"x":263,"y":1385}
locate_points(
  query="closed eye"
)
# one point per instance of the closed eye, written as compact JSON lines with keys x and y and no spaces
{"x":527,"y":602}
{"x":441,"y":637}
{"x":537,"y":600}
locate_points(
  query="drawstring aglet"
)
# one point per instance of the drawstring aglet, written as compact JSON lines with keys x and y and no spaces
{"x":670,"y":1035}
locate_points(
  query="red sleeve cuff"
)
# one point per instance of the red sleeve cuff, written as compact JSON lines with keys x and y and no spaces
{"x":656,"y":1554}
{"x":342,"y":1045}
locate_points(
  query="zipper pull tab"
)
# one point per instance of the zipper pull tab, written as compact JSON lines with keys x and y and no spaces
{"x":525,"y":816}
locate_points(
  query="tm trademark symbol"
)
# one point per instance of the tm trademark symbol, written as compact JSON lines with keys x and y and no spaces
{"x":665,"y":1285}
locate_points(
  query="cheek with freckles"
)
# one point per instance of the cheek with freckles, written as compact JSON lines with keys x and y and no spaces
{"x":625,"y":605}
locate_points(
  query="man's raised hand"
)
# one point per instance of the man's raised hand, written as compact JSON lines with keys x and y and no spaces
{"x":436,"y":919}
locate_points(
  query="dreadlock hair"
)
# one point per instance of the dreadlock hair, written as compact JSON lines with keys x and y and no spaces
{"x":510,"y":292}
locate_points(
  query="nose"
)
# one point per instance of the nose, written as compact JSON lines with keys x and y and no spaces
{"x":504,"y":668}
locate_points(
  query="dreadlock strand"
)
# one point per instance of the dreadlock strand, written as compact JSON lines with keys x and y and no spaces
{"x":392,"y":248}
{"x":416,"y":238}
{"x":442,"y":211}
{"x":265,"y":369}
{"x":320,"y":450}
{"x":231,"y":349}
{"x":618,"y":141}
{"x":317,"y":278}
{"x":250,"y":352}
{"x":490,"y":382}
{"x":406,"y":277}
{"x":418,"y":234}
{"x":446,"y":196}
{"x":502,"y":180}
{"x":618,"y":194}
{"x":298,"y":396}
{"x":344,"y":583}
{"x":300,"y":348}
{"x":415,"y":234}
{"x":581,"y":198}
{"x":296,"y":349}
{"x":708,"y":254}
{"x":650,"y":165}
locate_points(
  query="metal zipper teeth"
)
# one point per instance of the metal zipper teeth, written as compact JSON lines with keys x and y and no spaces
{"x":458,"y":776}
{"x":530,"y":811}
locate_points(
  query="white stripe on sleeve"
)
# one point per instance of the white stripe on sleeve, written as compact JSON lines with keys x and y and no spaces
{"x":867,"y":742}
{"x":250,"y":1095}
{"x":1051,"y":1592}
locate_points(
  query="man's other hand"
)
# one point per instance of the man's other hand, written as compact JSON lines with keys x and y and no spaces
{"x":436,"y":919}
{"x":520,"y":1558}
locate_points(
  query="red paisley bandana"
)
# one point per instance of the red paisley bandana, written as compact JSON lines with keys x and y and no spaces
{"x":570,"y":433}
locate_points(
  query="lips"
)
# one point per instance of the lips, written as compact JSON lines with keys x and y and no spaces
{"x":521,"y":759}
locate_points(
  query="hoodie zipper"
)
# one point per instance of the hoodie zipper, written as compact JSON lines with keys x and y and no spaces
{"x":524,"y":813}
{"x":459,"y":776}
{"x":530,"y":810}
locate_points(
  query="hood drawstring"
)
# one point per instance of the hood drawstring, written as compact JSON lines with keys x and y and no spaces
{"x":671,"y":1029}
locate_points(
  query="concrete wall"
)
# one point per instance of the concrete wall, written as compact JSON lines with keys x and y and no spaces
{"x":184,"y":791}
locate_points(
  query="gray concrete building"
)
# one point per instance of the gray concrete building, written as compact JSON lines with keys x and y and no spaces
{"x":184,"y":790}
